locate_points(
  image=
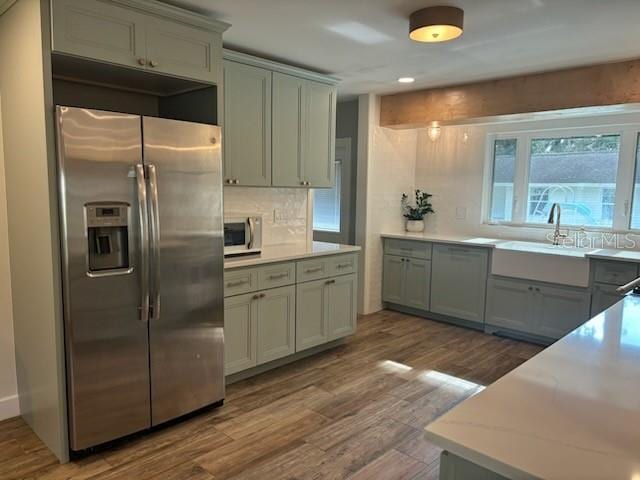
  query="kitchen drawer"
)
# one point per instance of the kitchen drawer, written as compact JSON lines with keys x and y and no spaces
{"x":244,"y":280}
{"x":314,"y":269}
{"x":407,"y":248}
{"x":343,"y":264}
{"x":277,"y":275}
{"x":616,"y":273}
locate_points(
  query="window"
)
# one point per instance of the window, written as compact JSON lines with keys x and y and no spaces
{"x":504,"y":167}
{"x":635,"y":211}
{"x":574,"y":172}
{"x":326,"y":205}
{"x":579,"y":172}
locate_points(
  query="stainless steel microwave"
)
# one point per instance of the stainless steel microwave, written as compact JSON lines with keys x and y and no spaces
{"x":242,"y":235}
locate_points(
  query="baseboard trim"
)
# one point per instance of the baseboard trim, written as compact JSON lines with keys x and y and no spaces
{"x":9,"y":407}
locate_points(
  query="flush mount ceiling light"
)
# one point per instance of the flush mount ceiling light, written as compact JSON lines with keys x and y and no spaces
{"x":436,"y":24}
{"x":406,"y":80}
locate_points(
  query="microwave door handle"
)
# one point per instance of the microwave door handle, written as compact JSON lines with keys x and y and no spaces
{"x":155,"y":242}
{"x":252,"y":232}
{"x":143,"y":218}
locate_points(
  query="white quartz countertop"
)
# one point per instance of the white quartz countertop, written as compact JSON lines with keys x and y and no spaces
{"x":570,"y":412}
{"x":623,"y":255}
{"x":287,"y":252}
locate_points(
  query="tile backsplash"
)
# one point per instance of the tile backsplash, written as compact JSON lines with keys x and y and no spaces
{"x":283,"y":210}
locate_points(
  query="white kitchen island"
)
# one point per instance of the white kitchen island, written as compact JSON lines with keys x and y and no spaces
{"x":571,"y":412}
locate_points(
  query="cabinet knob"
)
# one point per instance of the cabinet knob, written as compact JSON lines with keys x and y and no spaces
{"x":228,"y":181}
{"x":256,"y":296}
{"x":530,"y":288}
{"x":329,"y":282}
{"x":142,"y":62}
{"x":153,"y":64}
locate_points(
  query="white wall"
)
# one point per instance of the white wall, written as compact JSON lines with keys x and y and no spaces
{"x":284,"y":211}
{"x":8,"y":387}
{"x":453,"y":170}
{"x":390,"y":159}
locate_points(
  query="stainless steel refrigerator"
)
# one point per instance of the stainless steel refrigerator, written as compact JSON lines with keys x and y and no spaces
{"x":142,"y":251}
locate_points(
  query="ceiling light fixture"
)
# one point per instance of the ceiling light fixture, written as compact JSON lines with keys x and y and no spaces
{"x":436,"y":24}
{"x":406,"y":80}
{"x":434,"y":132}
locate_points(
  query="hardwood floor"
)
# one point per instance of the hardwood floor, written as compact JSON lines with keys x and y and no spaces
{"x":355,"y":412}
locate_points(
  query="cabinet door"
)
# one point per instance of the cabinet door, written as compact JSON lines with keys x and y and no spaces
{"x":240,"y":328}
{"x":183,"y":51}
{"x":393,"y":273}
{"x":312,"y":303}
{"x":342,"y":292}
{"x":319,"y":135}
{"x":287,"y":128}
{"x":417,"y":283}
{"x":276,"y":323}
{"x":99,"y":30}
{"x":247,"y":125}
{"x":458,"y":282}
{"x":559,"y":310}
{"x":603,"y":297}
{"x":509,"y":304}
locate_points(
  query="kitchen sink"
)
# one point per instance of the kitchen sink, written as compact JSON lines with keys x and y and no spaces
{"x":566,"y":265}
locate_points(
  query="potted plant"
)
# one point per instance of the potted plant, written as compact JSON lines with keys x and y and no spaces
{"x":415,"y":214}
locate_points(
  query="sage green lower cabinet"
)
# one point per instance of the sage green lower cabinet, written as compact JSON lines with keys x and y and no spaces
{"x":458,"y":282}
{"x":325,"y":310}
{"x":406,"y":281}
{"x":276,"y":323}
{"x":258,"y":328}
{"x":453,"y":467}
{"x":343,"y":295}
{"x":535,"y":308}
{"x":602,"y":297}
{"x":240,"y":332}
{"x":311,"y":314}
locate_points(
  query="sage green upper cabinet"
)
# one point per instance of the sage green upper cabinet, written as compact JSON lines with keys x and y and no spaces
{"x":303,"y":132}
{"x":296,"y":127}
{"x":143,"y":35}
{"x":184,"y":51}
{"x":288,"y":128}
{"x":247,"y":125}
{"x":458,"y":281}
{"x":99,"y":30}
{"x":319,"y":135}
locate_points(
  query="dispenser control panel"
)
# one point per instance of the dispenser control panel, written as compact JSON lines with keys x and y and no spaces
{"x":108,"y":237}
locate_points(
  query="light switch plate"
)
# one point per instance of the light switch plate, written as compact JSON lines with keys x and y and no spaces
{"x":461,"y":213}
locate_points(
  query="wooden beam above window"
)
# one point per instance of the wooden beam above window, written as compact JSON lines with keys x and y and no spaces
{"x":598,"y":85}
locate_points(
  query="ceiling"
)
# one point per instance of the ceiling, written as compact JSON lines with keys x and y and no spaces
{"x":365,"y":42}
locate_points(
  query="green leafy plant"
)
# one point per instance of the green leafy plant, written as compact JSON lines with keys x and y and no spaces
{"x":421,"y":208}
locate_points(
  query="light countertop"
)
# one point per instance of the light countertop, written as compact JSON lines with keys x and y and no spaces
{"x":623,"y":255}
{"x":570,"y":412}
{"x":288,"y":252}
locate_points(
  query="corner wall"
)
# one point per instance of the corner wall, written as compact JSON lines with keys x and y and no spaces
{"x":8,"y":387}
{"x":29,"y":154}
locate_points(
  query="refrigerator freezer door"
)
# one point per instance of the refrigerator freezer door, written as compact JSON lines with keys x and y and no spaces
{"x":106,"y":341}
{"x":186,"y":323}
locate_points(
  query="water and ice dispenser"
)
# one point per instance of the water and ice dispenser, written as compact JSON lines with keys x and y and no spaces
{"x":108,"y":236}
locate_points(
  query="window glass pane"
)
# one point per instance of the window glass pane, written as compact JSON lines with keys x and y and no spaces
{"x":635,"y":210}
{"x":579,"y":173}
{"x":504,"y":169}
{"x":326,"y":205}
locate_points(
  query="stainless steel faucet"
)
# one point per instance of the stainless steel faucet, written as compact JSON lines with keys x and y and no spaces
{"x":556,"y":233}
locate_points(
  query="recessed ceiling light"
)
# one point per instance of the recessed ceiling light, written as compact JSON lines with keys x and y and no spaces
{"x":436,"y":24}
{"x":406,"y":79}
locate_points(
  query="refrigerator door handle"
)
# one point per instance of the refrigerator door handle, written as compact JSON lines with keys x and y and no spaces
{"x":155,"y":241}
{"x":143,"y":216}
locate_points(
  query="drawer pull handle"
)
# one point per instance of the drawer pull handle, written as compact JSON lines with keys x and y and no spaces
{"x":259,"y":295}
{"x":329,"y":282}
{"x":344,"y":265}
{"x":237,"y":284}
{"x":276,"y":277}
{"x":313,"y":270}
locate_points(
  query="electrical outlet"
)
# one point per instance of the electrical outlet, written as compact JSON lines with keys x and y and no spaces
{"x":280,"y":215}
{"x":461,"y":213}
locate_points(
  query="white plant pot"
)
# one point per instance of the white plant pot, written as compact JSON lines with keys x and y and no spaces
{"x":415,"y":226}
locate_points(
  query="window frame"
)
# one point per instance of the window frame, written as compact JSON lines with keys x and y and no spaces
{"x":625,"y":178}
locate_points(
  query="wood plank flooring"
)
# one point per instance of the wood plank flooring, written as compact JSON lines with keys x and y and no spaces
{"x":354,"y":412}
